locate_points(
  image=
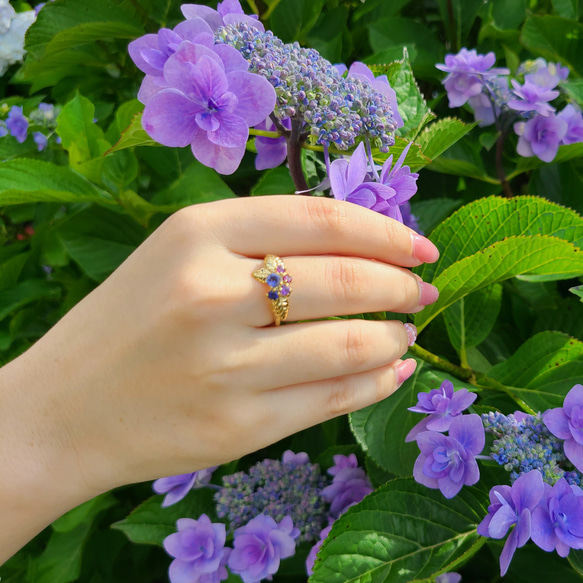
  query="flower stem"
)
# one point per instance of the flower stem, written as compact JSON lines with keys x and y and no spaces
{"x":294,"y":156}
{"x":499,"y":165}
{"x":264,"y":133}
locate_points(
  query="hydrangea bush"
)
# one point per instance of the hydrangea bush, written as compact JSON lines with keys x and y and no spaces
{"x":114,"y":114}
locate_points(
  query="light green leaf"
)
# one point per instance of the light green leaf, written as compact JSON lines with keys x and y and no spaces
{"x":401,"y":532}
{"x":134,"y":135}
{"x":470,"y":320}
{"x":150,"y":524}
{"x":578,"y":291}
{"x":274,"y":181}
{"x":25,"y":180}
{"x":380,"y":429}
{"x":441,"y":135}
{"x":483,"y":222}
{"x":415,"y":157}
{"x":543,"y":370}
{"x":566,"y":8}
{"x":514,"y":256}
{"x":555,"y":39}
{"x":575,"y":89}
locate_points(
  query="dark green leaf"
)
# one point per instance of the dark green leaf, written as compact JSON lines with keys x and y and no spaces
{"x":565,"y":153}
{"x":441,"y":135}
{"x":30,"y":290}
{"x":578,"y":291}
{"x":274,"y":181}
{"x":431,"y":212}
{"x":293,"y":19}
{"x":575,"y":89}
{"x":401,"y":532}
{"x":86,"y":512}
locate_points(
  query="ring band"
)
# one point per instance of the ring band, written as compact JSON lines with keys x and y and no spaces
{"x":273,"y":273}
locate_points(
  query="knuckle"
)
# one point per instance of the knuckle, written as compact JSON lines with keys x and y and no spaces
{"x":327,"y":215}
{"x":342,"y":397}
{"x":346,"y":279}
{"x":357,"y":346}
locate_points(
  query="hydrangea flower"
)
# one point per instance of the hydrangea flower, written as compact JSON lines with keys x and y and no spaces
{"x":566,"y":423}
{"x":349,"y":486}
{"x":259,"y":547}
{"x":227,"y":12}
{"x":441,"y":405}
{"x":540,"y":136}
{"x":177,"y":487}
{"x":574,"y":120}
{"x":40,"y":140}
{"x":512,"y":506}
{"x":271,"y":152}
{"x":347,"y":179}
{"x":13,"y":27}
{"x":17,"y":123}
{"x":448,"y":462}
{"x":199,"y":551}
{"x":311,"y":560}
{"x":532,"y":97}
{"x":409,"y":219}
{"x":294,"y":460}
{"x":557,"y":522}
{"x":207,"y":107}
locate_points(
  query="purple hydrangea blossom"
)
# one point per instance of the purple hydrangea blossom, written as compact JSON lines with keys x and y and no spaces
{"x":3,"y":128}
{"x":532,"y":97}
{"x":271,"y":152}
{"x":208,"y":107}
{"x":347,"y":179}
{"x":448,"y":462}
{"x":566,"y":423}
{"x":311,"y":560}
{"x":574,"y":120}
{"x":199,"y":551}
{"x":484,"y":112}
{"x":545,"y":74}
{"x":227,"y":12}
{"x":448,"y":578}
{"x":349,"y":486}
{"x":467,"y":74}
{"x":259,"y":547}
{"x":40,"y":140}
{"x":441,"y":406}
{"x":294,"y":460}
{"x":409,"y":219}
{"x":540,"y":136}
{"x":177,"y":487}
{"x":557,"y":522}
{"x":17,"y":123}
{"x":512,"y":505}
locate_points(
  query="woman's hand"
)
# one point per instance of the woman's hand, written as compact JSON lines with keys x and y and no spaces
{"x":171,"y":365}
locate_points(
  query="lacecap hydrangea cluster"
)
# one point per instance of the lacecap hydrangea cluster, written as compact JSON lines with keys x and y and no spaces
{"x":543,"y":454}
{"x":42,"y":119}
{"x":13,"y":27}
{"x":524,"y":102}
{"x":269,"y":509}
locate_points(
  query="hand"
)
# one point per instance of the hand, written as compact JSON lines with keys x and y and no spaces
{"x":171,"y":365}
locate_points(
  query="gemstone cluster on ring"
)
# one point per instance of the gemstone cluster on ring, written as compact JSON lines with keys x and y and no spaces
{"x":274,"y":274}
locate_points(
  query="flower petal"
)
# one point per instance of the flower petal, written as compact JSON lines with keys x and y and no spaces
{"x":557,"y":422}
{"x":574,"y":397}
{"x":256,"y":96}
{"x":574,"y":453}
{"x":232,"y":132}
{"x":223,"y":159}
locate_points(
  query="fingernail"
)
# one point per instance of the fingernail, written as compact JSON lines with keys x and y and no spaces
{"x":427,"y":293}
{"x":423,"y":249}
{"x":411,"y":333}
{"x":405,"y":370}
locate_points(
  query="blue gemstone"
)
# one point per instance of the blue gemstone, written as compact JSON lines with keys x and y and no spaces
{"x":272,"y":295}
{"x":273,"y":280}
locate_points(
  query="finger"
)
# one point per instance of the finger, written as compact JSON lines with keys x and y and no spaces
{"x":335,"y":286}
{"x":316,"y":351}
{"x":299,"y":406}
{"x":304,"y":225}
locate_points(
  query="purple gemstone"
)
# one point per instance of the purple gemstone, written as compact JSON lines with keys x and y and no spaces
{"x":287,"y":278}
{"x":272,"y":295}
{"x":285,"y":290}
{"x":280,"y":268}
{"x":273,"y":280}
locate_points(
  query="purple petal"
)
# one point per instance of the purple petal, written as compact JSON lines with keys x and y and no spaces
{"x":180,"y":73}
{"x":501,"y":521}
{"x":557,"y":423}
{"x":420,"y":477}
{"x":362,"y":196}
{"x":541,"y":529}
{"x":256,"y":96}
{"x":461,"y":400}
{"x":338,"y":170}
{"x":170,"y":118}
{"x":190,"y":29}
{"x":181,"y":571}
{"x":469,"y":431}
{"x":135,"y":48}
{"x":523,"y":528}
{"x":421,"y":426}
{"x":232,"y":59}
{"x":527,"y":490}
{"x":358,"y":69}
{"x":574,"y":453}
{"x":508,"y":553}
{"x":212,"y":17}
{"x":472,"y":474}
{"x":448,"y":487}
{"x":149,"y":87}
{"x":356,"y":169}
{"x":232,"y":132}
{"x":223,"y":159}
{"x":230,"y":19}
{"x":574,"y":398}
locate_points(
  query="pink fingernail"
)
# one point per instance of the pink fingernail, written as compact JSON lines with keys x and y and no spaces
{"x":405,"y":370}
{"x":411,"y":333}
{"x":424,"y":249}
{"x":427,"y":293}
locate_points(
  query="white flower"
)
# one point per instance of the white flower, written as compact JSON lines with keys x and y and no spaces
{"x":13,"y":27}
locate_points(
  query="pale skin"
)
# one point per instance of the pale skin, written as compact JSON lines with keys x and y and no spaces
{"x":172,"y":364}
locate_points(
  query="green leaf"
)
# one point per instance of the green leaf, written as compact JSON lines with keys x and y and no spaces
{"x":566,"y":316}
{"x":578,"y":291}
{"x":86,"y":512}
{"x":575,"y":89}
{"x":133,"y":135}
{"x":412,"y":106}
{"x":380,"y":429}
{"x":198,"y":184}
{"x":470,"y":320}
{"x":509,"y":14}
{"x":414,"y":158}
{"x":274,"y":181}
{"x":566,"y":8}
{"x":441,"y":135}
{"x":483,"y":222}
{"x":150,"y":524}
{"x":564,"y":154}
{"x":458,"y":17}
{"x":291,"y":20}
{"x":30,"y":290}
{"x":401,"y":532}
{"x":545,"y":256}
{"x":543,"y":370}
{"x":25,"y":180}
{"x":431,"y":212}
{"x":555,"y":39}
{"x":576,"y":559}
{"x":119,"y":170}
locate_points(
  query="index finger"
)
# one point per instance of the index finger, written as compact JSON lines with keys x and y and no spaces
{"x":306,"y":225}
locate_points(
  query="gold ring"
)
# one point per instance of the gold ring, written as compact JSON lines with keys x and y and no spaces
{"x":273,"y":273}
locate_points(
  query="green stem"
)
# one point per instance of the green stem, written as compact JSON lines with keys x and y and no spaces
{"x":294,"y":157}
{"x":264,"y":133}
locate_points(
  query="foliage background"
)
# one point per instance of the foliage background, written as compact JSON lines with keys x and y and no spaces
{"x":94,"y":199}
